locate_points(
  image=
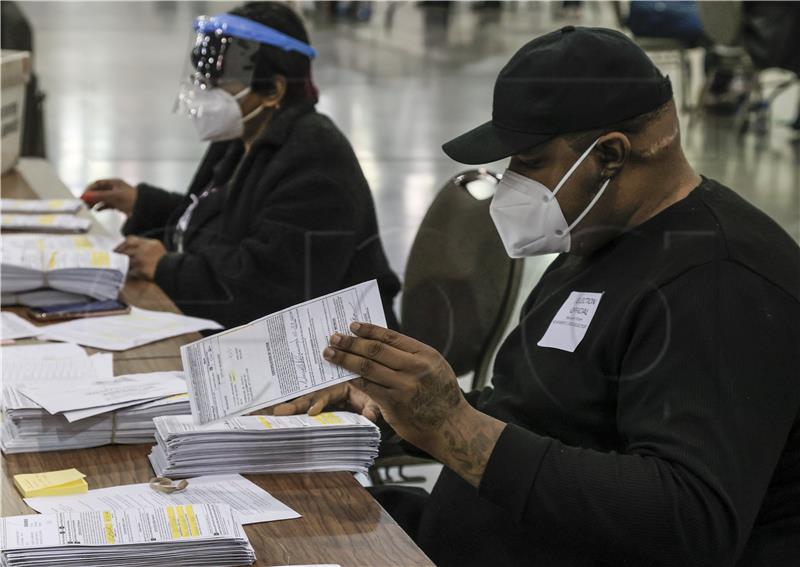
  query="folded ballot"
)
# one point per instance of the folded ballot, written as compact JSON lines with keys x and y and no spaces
{"x":277,"y":357}
{"x":44,"y":223}
{"x":69,"y":206}
{"x":333,"y":441}
{"x":96,"y":273}
{"x":178,"y":535}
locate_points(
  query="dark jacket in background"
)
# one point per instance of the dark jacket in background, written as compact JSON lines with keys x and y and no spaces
{"x":291,"y":220}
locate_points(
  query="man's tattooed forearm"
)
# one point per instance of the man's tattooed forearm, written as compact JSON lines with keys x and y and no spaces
{"x":469,"y":451}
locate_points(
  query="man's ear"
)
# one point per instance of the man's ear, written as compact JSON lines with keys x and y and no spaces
{"x":274,"y":99}
{"x":614,"y":150}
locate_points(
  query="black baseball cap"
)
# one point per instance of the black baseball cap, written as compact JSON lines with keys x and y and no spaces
{"x":570,"y":80}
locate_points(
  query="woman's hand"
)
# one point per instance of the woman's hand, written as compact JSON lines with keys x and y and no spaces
{"x":339,"y":395}
{"x":144,"y":254}
{"x":111,"y":194}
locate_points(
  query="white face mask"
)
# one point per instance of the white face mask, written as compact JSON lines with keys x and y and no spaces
{"x":528,"y":217}
{"x":217,"y":116}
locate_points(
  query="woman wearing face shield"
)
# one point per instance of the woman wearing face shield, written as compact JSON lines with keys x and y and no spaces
{"x":278,"y":211}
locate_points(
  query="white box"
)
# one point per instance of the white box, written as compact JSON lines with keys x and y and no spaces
{"x":15,"y":72}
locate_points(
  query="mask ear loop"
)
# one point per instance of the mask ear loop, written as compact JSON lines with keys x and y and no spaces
{"x":572,"y":169}
{"x":589,"y":206}
{"x":259,"y":109}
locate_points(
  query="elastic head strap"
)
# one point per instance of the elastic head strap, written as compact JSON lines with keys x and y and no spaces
{"x":244,"y":28}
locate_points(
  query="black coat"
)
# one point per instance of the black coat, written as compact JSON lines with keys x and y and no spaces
{"x":291,"y":220}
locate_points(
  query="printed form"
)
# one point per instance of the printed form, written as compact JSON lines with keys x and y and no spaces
{"x":275,"y":358}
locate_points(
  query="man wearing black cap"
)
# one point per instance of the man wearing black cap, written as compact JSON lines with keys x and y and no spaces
{"x":645,"y":410}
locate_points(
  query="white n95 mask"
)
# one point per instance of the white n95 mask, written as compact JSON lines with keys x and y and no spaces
{"x":528,"y":217}
{"x":215,"y":113}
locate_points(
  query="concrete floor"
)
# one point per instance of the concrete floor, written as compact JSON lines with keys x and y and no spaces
{"x":398,"y":87}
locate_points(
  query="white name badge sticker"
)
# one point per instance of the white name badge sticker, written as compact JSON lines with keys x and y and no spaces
{"x":570,"y":324}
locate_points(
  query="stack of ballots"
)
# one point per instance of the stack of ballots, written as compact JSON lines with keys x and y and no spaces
{"x":191,"y":535}
{"x":41,"y":242}
{"x":57,"y":397}
{"x":333,"y":441}
{"x":99,"y":274}
{"x":29,"y":428}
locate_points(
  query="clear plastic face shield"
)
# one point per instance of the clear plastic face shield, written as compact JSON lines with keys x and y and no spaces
{"x":219,"y":71}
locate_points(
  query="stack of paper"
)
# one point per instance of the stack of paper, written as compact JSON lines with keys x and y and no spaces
{"x":251,"y":503}
{"x":45,"y":223}
{"x":33,"y":430}
{"x":338,"y":441}
{"x":70,"y":206}
{"x":62,"y":241}
{"x":202,"y":534}
{"x":97,"y":273}
{"x":90,"y":407}
{"x":122,"y":332}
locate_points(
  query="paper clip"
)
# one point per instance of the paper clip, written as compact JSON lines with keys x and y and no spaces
{"x":167,"y":485}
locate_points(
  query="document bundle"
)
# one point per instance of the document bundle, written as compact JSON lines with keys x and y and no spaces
{"x":41,"y":206}
{"x":44,"y":223}
{"x":277,"y":357}
{"x":178,"y":535}
{"x":99,"y":274}
{"x":55,"y":397}
{"x":334,"y":441}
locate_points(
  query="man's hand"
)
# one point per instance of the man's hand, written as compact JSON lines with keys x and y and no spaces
{"x":111,"y":194}
{"x":418,"y":395}
{"x":144,"y":254}
{"x":339,"y":395}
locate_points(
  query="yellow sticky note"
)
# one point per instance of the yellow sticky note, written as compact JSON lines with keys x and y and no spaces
{"x":54,"y":483}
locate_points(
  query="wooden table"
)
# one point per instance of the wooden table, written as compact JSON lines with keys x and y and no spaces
{"x":341,"y":522}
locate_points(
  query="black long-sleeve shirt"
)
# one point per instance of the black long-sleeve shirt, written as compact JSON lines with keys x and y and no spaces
{"x":670,"y":436}
{"x":291,"y":219}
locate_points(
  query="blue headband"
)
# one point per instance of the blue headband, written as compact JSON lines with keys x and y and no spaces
{"x":245,"y":28}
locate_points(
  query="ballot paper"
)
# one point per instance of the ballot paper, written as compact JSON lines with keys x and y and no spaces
{"x":41,"y":205}
{"x":192,"y":535}
{"x":331,"y":441}
{"x":44,"y":223}
{"x":15,"y":327}
{"x":62,"y":241}
{"x":275,"y":358}
{"x":251,"y":503}
{"x":28,"y":364}
{"x":99,"y":395}
{"x":123,"y":332}
{"x":97,"y":273}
